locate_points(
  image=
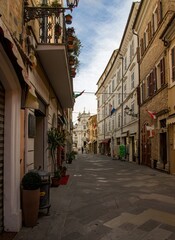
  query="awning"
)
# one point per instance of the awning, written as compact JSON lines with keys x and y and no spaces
{"x":31,"y":99}
{"x":171,"y":120}
{"x":13,"y":50}
{"x":105,"y":141}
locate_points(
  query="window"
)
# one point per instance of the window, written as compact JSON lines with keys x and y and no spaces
{"x":113,"y":85}
{"x":118,"y":76}
{"x":162,"y":71}
{"x":173,"y":64}
{"x":125,"y":62}
{"x":132,"y":80}
{"x":124,"y":90}
{"x":119,"y":98}
{"x":131,"y":50}
{"x":119,"y":123}
{"x":157,"y":16}
{"x":143,"y":91}
{"x":124,"y":118}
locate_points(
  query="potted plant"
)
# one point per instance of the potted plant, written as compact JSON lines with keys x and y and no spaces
{"x":55,"y":139}
{"x":70,"y":157}
{"x":31,"y":183}
{"x":70,"y":31}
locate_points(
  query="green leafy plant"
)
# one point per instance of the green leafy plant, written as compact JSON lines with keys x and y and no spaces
{"x":31,"y":181}
{"x":55,"y":139}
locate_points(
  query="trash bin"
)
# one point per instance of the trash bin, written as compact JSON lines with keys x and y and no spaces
{"x":45,"y":191}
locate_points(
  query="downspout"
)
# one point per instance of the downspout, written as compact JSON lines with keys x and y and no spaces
{"x":138,"y":99}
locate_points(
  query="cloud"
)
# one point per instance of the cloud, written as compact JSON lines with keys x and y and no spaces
{"x":100,"y":27}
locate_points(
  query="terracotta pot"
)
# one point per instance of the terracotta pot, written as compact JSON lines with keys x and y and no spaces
{"x":70,"y":40}
{"x":30,"y":206}
{"x":68,"y":19}
{"x":55,"y":182}
{"x":70,"y":47}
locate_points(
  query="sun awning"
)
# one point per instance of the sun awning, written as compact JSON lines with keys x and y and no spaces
{"x":53,"y":58}
{"x":171,"y":120}
{"x":31,"y":99}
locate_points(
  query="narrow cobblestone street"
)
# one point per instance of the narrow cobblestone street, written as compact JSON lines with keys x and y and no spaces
{"x":108,"y":199}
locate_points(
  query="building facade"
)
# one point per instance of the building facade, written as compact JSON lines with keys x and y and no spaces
{"x":150,"y":23}
{"x":80,"y":133}
{"x":117,"y":91}
{"x":36,"y":91}
{"x":92,"y":134}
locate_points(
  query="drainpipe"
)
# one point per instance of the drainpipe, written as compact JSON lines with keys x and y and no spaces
{"x":122,"y":94}
{"x":138,"y":100}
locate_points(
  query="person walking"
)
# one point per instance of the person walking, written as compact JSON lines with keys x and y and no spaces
{"x":82,"y":150}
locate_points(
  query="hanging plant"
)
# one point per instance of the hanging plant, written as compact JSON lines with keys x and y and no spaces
{"x":70,"y":31}
{"x":70,"y":47}
{"x":68,"y":19}
{"x":70,"y":39}
{"x":71,"y":60}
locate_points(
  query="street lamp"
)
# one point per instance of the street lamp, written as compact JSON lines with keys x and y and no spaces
{"x":34,"y":12}
{"x":72,"y":3}
{"x":129,"y":111}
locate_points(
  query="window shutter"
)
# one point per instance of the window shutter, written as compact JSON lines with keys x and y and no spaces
{"x":149,"y":32}
{"x":173,"y":63}
{"x":155,"y":80}
{"x":141,"y":46}
{"x":162,"y":71}
{"x":159,"y":11}
{"x":138,"y":54}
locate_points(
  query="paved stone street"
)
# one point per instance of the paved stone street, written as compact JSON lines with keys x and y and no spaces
{"x":109,"y":199}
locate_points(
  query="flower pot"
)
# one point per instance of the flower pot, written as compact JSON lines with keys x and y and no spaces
{"x":70,"y":47}
{"x":68,"y":19}
{"x":70,"y":40}
{"x":55,"y":182}
{"x":30,"y":206}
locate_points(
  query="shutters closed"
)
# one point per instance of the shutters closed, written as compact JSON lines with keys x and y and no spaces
{"x":2,"y":108}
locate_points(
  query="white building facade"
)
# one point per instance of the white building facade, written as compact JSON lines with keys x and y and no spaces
{"x":80,"y":132}
{"x":117,"y":91}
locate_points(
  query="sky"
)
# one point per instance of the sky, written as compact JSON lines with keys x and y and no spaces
{"x":99,"y":24}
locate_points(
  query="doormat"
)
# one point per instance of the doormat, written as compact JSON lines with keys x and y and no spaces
{"x":64,"y":180}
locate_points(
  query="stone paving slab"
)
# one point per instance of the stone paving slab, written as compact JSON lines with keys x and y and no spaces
{"x":108,"y":199}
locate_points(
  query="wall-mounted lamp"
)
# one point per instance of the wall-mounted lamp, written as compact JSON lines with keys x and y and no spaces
{"x":34,"y":12}
{"x":130,"y":112}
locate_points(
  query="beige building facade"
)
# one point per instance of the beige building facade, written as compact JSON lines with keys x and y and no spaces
{"x":168,"y":38}
{"x":117,"y":91}
{"x":92,"y":134}
{"x":36,"y":93}
{"x":151,"y":21}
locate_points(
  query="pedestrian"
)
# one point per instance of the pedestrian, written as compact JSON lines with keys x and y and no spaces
{"x":82,"y":150}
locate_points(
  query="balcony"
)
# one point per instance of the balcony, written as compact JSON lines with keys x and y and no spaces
{"x":51,"y":49}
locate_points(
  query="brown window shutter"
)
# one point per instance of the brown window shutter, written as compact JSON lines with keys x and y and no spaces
{"x":149,"y":32}
{"x":159,"y":11}
{"x":141,"y":46}
{"x":152,"y":24}
{"x":138,"y":54}
{"x":162,"y":71}
{"x":173,"y":63}
{"x":138,"y":95}
{"x":155,"y":80}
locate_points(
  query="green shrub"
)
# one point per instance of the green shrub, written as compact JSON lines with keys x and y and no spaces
{"x":31,"y":181}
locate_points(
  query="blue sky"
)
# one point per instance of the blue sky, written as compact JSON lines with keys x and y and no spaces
{"x":99,"y":25}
